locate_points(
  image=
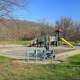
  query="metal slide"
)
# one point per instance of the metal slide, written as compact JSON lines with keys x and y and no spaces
{"x":65,"y":41}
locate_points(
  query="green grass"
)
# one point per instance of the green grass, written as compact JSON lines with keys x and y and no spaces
{"x":74,"y":59}
{"x":12,"y":70}
{"x":5,"y":59}
{"x":14,"y":42}
{"x":18,"y":71}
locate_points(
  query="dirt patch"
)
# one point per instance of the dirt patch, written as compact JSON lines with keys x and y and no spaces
{"x":58,"y":51}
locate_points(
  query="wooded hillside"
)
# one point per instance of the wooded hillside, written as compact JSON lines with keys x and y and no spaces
{"x":22,"y":30}
{"x":27,"y":30}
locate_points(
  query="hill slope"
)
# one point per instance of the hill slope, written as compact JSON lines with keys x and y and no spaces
{"x":17,"y":29}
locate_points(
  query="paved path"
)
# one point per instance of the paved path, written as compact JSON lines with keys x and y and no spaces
{"x":14,"y":52}
{"x":20,"y":52}
{"x":64,"y":55}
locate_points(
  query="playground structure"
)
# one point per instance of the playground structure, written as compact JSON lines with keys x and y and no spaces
{"x":46,"y":41}
{"x":67,"y":42}
{"x":40,"y":49}
{"x":59,"y":40}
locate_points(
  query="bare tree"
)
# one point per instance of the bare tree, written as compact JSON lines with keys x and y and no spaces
{"x":6,"y":9}
{"x":46,"y":28}
{"x":76,"y":36}
{"x":66,"y":23}
{"x":6,"y":6}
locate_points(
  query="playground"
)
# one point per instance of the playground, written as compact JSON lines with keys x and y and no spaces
{"x":44,"y":48}
{"x":44,"y":58}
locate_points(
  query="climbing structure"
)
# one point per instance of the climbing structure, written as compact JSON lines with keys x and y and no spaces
{"x":59,"y":38}
{"x":41,"y":49}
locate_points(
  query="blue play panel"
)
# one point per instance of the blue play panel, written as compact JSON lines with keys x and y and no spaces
{"x":39,"y":53}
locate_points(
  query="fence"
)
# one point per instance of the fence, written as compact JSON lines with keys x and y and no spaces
{"x":39,"y":54}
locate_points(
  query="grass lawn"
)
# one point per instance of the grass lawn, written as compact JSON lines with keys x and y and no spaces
{"x":5,"y":59}
{"x":13,"y":70}
{"x":18,"y":71}
{"x":14,"y":42}
{"x":74,"y":59}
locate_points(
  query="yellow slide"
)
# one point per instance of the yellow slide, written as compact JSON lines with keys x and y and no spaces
{"x":65,"y":41}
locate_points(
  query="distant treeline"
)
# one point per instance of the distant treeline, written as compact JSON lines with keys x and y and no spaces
{"x":26,"y":30}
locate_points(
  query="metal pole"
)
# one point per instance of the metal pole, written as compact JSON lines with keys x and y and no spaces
{"x":36,"y":55}
{"x":52,"y":56}
{"x":44,"y":56}
{"x":28,"y":57}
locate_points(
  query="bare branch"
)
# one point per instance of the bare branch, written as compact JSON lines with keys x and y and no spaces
{"x":6,"y":6}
